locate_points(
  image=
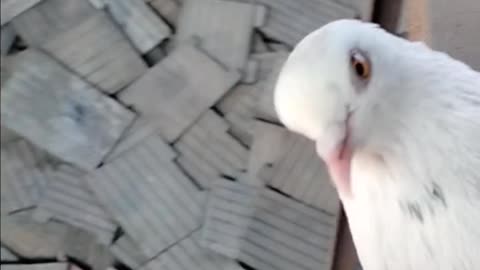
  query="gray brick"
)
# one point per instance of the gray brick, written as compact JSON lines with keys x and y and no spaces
{"x":57,"y":111}
{"x":5,"y":68}
{"x":11,"y":8}
{"x":259,"y":45}
{"x":50,"y":18}
{"x":128,"y":252}
{"x":155,"y":55}
{"x":97,"y":51}
{"x":7,"y":37}
{"x":265,"y":107}
{"x":229,"y":210}
{"x":31,"y":239}
{"x":239,"y":107}
{"x":245,"y":101}
{"x":290,"y":21}
{"x":140,"y":130}
{"x":24,"y":175}
{"x":178,"y":90}
{"x":40,"y":266}
{"x":267,"y":148}
{"x":100,"y":4}
{"x":143,"y":27}
{"x":224,"y":28}
{"x":279,"y":47}
{"x":68,"y":199}
{"x":132,"y":187}
{"x":267,"y":230}
{"x":169,"y":9}
{"x":301,"y":173}
{"x":7,"y":255}
{"x":7,"y":136}
{"x":207,"y":151}
{"x":188,"y":254}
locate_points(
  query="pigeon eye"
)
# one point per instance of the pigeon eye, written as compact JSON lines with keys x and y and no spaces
{"x":360,"y":65}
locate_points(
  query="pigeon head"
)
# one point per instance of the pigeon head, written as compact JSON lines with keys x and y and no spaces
{"x":331,"y":86}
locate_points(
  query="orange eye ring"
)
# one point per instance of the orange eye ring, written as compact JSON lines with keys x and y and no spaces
{"x":360,"y":65}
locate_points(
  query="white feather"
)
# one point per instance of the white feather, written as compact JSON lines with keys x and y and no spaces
{"x":415,"y":173}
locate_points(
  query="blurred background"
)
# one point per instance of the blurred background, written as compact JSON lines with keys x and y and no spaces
{"x":141,"y":134}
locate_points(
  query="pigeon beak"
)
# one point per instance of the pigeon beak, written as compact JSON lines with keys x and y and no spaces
{"x":338,"y":164}
{"x":338,"y":161}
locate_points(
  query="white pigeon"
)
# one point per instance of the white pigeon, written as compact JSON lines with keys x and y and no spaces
{"x":398,"y":126}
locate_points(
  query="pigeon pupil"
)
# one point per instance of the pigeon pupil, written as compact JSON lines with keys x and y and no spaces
{"x":360,"y":69}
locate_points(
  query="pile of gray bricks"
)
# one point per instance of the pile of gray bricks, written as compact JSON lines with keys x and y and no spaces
{"x":142,"y":135}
